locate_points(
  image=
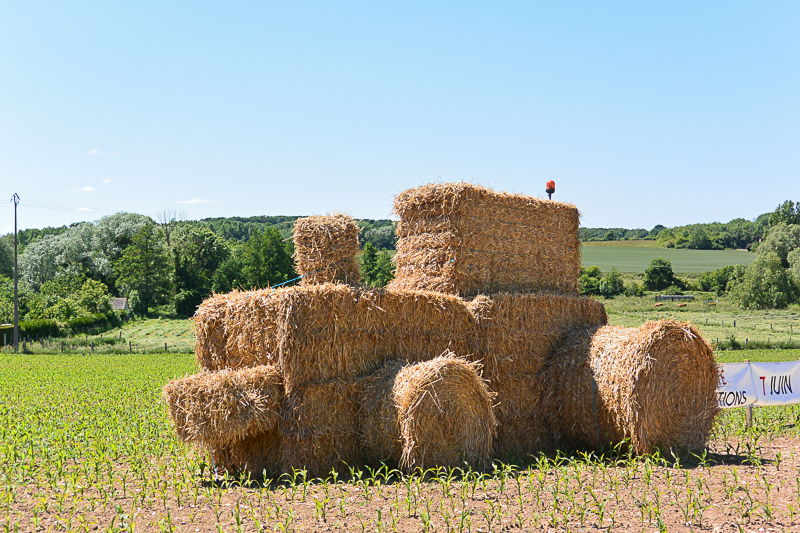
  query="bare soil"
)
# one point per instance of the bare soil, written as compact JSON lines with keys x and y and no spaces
{"x":752,"y":487}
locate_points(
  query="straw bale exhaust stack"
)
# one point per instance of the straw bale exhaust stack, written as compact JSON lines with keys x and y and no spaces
{"x":465,"y":239}
{"x":325,"y":249}
{"x":438,"y":412}
{"x":517,"y":332}
{"x":214,"y":408}
{"x":654,"y":385}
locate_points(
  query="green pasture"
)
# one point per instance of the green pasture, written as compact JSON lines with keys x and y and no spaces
{"x":635,"y":256}
{"x":719,"y":321}
{"x":142,"y":335}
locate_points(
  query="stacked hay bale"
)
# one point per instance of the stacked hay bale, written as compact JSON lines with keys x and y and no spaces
{"x":652,"y":387}
{"x":464,"y":239}
{"x":437,"y":412}
{"x":517,"y":333}
{"x":356,"y":375}
{"x":333,"y":335}
{"x":325,"y":249}
{"x":233,"y":413}
{"x":237,"y":330}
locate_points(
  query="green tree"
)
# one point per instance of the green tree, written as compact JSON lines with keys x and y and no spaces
{"x":7,"y":256}
{"x":145,"y":270}
{"x":198,"y":253}
{"x":659,"y":275}
{"x":786,"y":213}
{"x":266,"y":259}
{"x":612,"y":285}
{"x":720,"y":280}
{"x":781,"y":240}
{"x":766,"y":285}
{"x":94,"y":297}
{"x":589,"y":280}
{"x":794,"y":266}
{"x":229,"y":274}
{"x":376,"y":267}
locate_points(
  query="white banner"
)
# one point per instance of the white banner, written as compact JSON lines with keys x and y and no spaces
{"x":759,"y":384}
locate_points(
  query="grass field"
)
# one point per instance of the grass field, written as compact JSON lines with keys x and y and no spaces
{"x":635,"y":256}
{"x":719,"y":323}
{"x":144,"y":335}
{"x":86,"y":445}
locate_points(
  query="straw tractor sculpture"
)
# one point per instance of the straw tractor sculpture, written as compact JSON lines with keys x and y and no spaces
{"x":479,"y":348}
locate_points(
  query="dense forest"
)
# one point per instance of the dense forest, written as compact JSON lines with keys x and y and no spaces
{"x":169,"y":265}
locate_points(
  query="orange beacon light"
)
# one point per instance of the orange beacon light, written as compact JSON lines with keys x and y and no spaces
{"x":551,"y":188}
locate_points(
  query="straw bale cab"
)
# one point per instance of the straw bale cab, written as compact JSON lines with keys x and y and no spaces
{"x":465,"y":239}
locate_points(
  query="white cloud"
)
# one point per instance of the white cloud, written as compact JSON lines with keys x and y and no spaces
{"x":196,"y":201}
{"x":83,"y":209}
{"x":107,"y":180}
{"x":94,"y":151}
{"x":83,"y":189}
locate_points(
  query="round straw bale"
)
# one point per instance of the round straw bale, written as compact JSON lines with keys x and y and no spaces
{"x":442,"y":415}
{"x":652,"y":387}
{"x":325,"y":249}
{"x":220,"y":408}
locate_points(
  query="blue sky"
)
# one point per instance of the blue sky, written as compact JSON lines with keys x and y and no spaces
{"x":643,"y":113}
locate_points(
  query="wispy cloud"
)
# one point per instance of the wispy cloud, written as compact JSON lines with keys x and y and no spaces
{"x":196,"y":201}
{"x":83,"y":189}
{"x":84,"y":209}
{"x":107,"y":180}
{"x":94,"y":151}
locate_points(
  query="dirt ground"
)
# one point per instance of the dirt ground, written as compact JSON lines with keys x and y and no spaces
{"x":751,"y":487}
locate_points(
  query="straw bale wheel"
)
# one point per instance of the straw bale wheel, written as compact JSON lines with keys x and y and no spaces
{"x":435,"y":413}
{"x":652,"y":387}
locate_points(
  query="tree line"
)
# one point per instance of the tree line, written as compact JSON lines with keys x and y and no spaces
{"x":166,"y":266}
{"x":738,"y":234}
{"x":169,"y":266}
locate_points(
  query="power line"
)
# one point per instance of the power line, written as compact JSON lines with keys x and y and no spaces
{"x":64,"y":207}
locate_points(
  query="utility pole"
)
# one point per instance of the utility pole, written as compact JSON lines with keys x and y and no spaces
{"x":15,"y":199}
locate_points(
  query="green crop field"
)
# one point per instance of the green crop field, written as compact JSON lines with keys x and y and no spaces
{"x":635,"y":256}
{"x":86,"y":445}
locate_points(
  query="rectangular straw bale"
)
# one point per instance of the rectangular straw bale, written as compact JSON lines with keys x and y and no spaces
{"x":523,"y":427}
{"x":467,"y":239}
{"x":319,"y":428}
{"x":325,"y":249}
{"x":335,"y":331}
{"x":259,"y":454}
{"x":209,"y":327}
{"x":213,"y":408}
{"x":517,"y":333}
{"x":238,"y":329}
